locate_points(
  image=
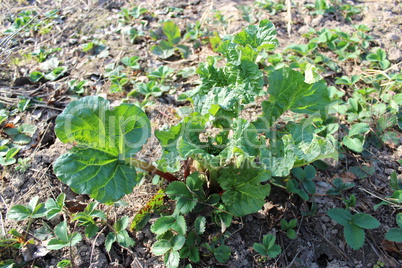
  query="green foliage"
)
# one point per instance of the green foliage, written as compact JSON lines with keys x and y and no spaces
{"x":95,"y":49}
{"x":339,"y":187}
{"x":127,"y":15}
{"x":76,"y":86}
{"x":355,"y":139}
{"x":113,"y":135}
{"x":379,"y":57}
{"x":20,"y":134}
{"x":354,"y":225}
{"x":166,"y":48}
{"x":221,"y":253}
{"x":303,"y":185}
{"x":171,"y":231}
{"x":131,"y":62}
{"x":119,"y":234}
{"x":236,"y":160}
{"x":268,"y":246}
{"x":170,"y":249}
{"x":50,"y":70}
{"x":87,"y":218}
{"x":42,"y":54}
{"x":7,"y":154}
{"x":64,"y":239}
{"x":273,"y":7}
{"x":395,"y":234}
{"x":32,"y":210}
{"x":396,"y":198}
{"x":289,"y":228}
{"x":54,"y":207}
{"x":28,"y":22}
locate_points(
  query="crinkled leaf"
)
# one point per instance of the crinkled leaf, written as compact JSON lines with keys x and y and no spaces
{"x":260,"y":249}
{"x":200,"y":224}
{"x":359,"y":128}
{"x":165,"y":223}
{"x":185,"y":200}
{"x":105,"y":138}
{"x":172,"y":32}
{"x":258,"y":37}
{"x":161,"y":247}
{"x":110,"y":239}
{"x":341,"y":216}
{"x":172,"y":259}
{"x":354,"y":144}
{"x":288,"y":90}
{"x":280,"y":157}
{"x":222,"y":253}
{"x":177,"y":242}
{"x":124,"y":239}
{"x":365,"y":221}
{"x":19,"y":213}
{"x":316,"y":100}
{"x":354,"y":236}
{"x":244,"y":193}
{"x":54,"y":207}
{"x":394,"y":234}
{"x":163,"y":49}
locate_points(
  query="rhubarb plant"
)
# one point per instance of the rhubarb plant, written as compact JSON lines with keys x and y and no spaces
{"x":235,"y":157}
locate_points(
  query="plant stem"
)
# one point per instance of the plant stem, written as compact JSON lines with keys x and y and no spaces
{"x":213,"y":179}
{"x":152,"y":169}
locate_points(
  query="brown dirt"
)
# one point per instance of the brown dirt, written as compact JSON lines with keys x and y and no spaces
{"x":320,"y":241}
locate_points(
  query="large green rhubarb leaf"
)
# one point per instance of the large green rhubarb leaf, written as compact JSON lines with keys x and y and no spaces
{"x":244,"y":193}
{"x":289,"y":91}
{"x":105,"y":140}
{"x":258,"y":37}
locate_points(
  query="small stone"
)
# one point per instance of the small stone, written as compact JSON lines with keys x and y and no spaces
{"x":100,"y":240}
{"x":141,"y":250}
{"x":394,"y":54}
{"x":325,"y":219}
{"x":317,"y":21}
{"x":304,"y":29}
{"x":139,"y":236}
{"x":388,"y":171}
{"x":73,"y":41}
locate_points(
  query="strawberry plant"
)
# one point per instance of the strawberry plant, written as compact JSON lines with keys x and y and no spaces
{"x":268,"y":246}
{"x":167,"y":48}
{"x":354,"y":225}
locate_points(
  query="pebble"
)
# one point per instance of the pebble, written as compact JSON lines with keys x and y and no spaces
{"x":100,"y":239}
{"x":394,"y":54}
{"x":388,"y":171}
{"x":316,"y":21}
